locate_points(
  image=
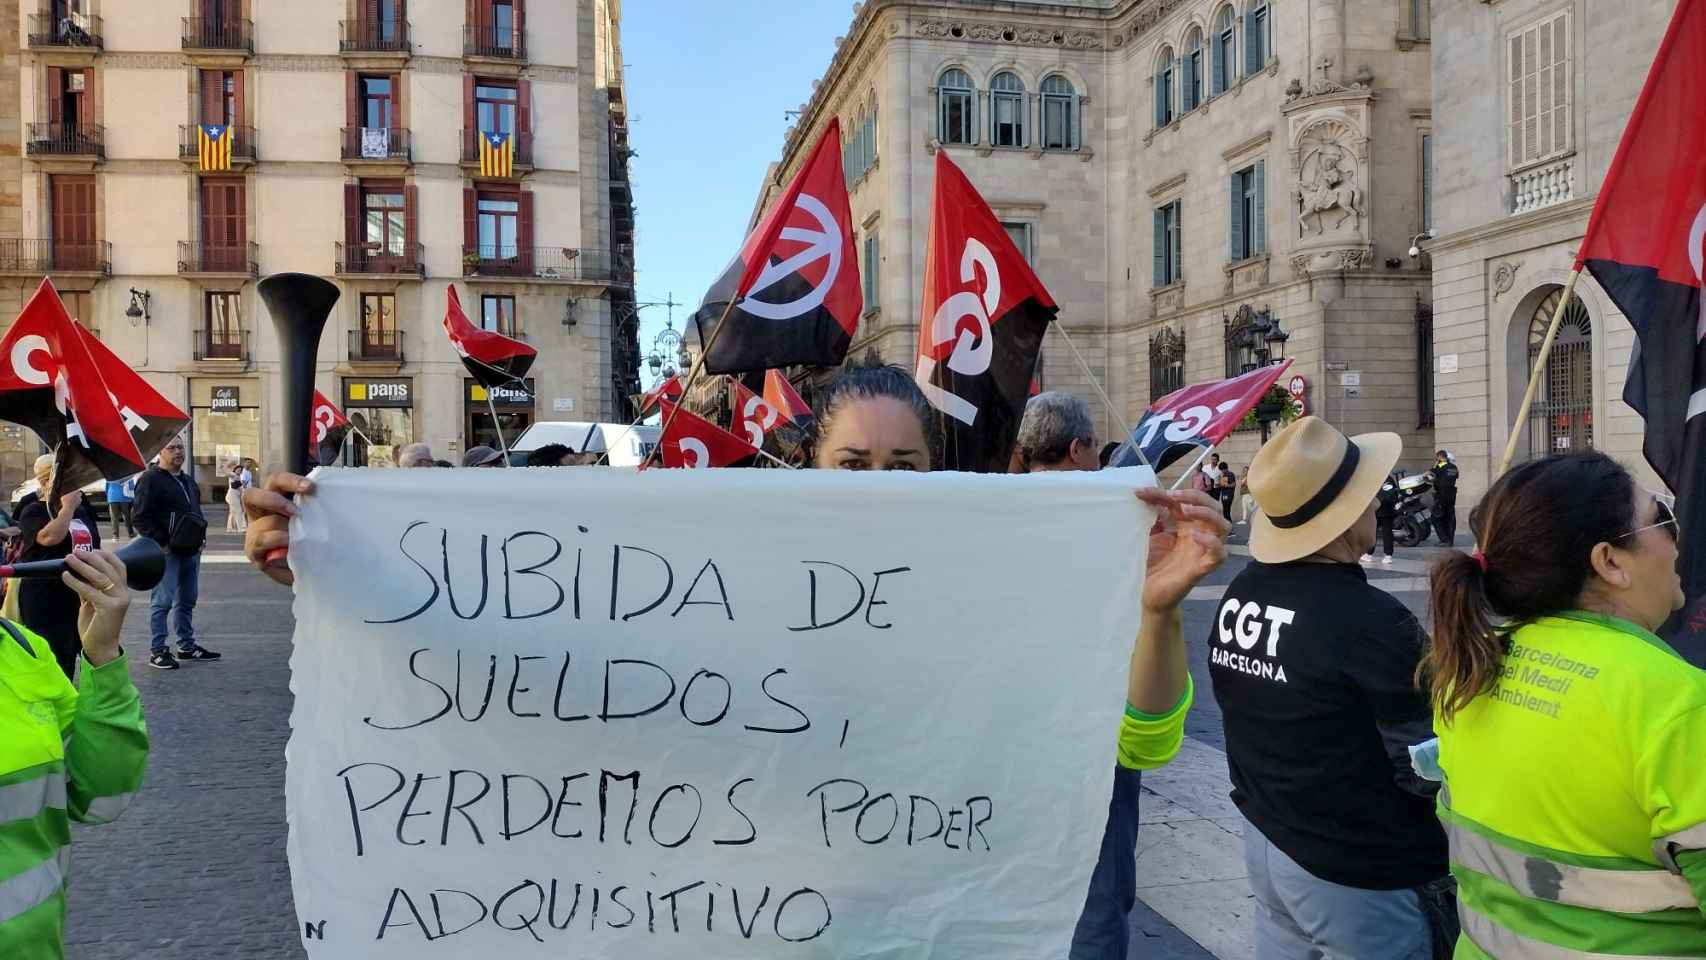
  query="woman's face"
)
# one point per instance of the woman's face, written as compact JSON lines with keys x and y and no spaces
{"x":1655,"y":589}
{"x":874,"y":433}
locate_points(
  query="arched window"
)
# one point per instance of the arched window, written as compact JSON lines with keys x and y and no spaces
{"x":1060,"y":114}
{"x":1166,"y":363}
{"x":870,"y":132}
{"x":1164,"y":88}
{"x":954,"y":107}
{"x":1192,"y":80}
{"x":1224,"y":66}
{"x":1007,"y":111}
{"x":1562,"y":417}
{"x":1256,"y":37}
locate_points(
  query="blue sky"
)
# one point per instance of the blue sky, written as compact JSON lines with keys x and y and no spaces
{"x":707,"y":87}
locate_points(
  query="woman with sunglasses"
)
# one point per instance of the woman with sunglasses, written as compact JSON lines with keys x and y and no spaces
{"x":1571,"y":736}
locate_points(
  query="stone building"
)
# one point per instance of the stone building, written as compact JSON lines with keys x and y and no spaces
{"x":1199,"y":183}
{"x":354,"y":132}
{"x":1532,"y":96}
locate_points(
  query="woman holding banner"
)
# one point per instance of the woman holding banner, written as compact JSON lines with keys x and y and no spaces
{"x":873,"y":417}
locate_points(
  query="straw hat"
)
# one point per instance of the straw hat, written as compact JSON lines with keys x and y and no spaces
{"x":1312,"y":484}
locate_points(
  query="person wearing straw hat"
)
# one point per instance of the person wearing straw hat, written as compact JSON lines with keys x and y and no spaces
{"x":1313,"y":668}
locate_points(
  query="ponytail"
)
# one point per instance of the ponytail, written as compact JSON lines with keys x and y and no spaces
{"x":1468,"y":648}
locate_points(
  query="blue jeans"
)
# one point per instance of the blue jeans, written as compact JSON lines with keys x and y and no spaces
{"x":177,"y":590}
{"x":1104,"y":928}
{"x":1299,"y":916}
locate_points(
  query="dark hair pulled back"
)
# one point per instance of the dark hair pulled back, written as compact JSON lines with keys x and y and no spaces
{"x":868,"y":379}
{"x":1537,"y":527}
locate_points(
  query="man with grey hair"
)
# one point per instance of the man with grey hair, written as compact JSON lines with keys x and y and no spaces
{"x":1056,"y":434}
{"x":415,"y":455}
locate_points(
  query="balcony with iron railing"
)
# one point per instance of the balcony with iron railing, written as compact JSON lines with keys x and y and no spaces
{"x":222,"y":345}
{"x":376,"y":144}
{"x":376,"y":345}
{"x":74,"y":31}
{"x":490,"y":42}
{"x":219,"y":35}
{"x":219,"y":259}
{"x":242,"y":143}
{"x":549,"y":264}
{"x":367,"y":259}
{"x":20,"y":257}
{"x":374,"y":35}
{"x":66,"y":140}
{"x":523,"y":150}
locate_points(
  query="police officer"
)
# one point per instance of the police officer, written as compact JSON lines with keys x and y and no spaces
{"x":66,"y":754}
{"x":1444,"y":477}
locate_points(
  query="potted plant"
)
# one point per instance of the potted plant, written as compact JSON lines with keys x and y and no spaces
{"x":1276,"y":406}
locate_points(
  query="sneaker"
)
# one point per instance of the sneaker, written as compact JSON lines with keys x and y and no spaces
{"x":163,"y":661}
{"x":1386,"y":560}
{"x":1368,"y":558}
{"x":197,"y":652}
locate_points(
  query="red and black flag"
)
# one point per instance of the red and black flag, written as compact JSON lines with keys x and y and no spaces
{"x":326,"y":428}
{"x":795,"y":282}
{"x":780,"y":394}
{"x":1645,"y":244}
{"x":50,"y":383}
{"x":151,"y":418}
{"x":985,"y":313}
{"x":692,"y":441}
{"x":492,"y":359}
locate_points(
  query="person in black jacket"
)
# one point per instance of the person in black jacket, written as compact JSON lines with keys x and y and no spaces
{"x":47,"y":605}
{"x":164,"y":495}
{"x":1385,"y":515}
{"x":1444,"y":474}
{"x":1314,"y":670}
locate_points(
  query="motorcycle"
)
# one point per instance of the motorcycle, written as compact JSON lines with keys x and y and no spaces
{"x":1414,"y":522}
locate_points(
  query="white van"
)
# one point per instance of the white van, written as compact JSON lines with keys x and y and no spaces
{"x":628,"y":446}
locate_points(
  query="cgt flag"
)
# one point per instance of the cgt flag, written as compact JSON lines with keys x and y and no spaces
{"x":1646,"y":244}
{"x":692,"y":441}
{"x":985,"y":313}
{"x":151,"y":418}
{"x":50,"y":383}
{"x":1195,"y":417}
{"x":795,"y":282}
{"x":326,"y":418}
{"x":491,"y":358}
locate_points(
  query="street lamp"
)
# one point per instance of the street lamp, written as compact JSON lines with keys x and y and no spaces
{"x":666,"y":346}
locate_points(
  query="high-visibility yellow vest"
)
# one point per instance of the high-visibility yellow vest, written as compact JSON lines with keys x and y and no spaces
{"x":1575,"y":798}
{"x":65,"y":754}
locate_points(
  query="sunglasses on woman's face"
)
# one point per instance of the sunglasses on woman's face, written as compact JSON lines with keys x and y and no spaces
{"x":1664,"y":516}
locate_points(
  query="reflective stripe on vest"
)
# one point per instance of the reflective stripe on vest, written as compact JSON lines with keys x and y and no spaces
{"x":22,"y":801}
{"x":30,"y":889}
{"x":107,"y":809}
{"x":1496,"y":941}
{"x":1666,"y":848}
{"x":1617,"y":891}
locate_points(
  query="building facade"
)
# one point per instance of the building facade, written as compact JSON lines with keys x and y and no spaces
{"x":1533,"y":96}
{"x":1202,"y":185}
{"x":174,"y":156}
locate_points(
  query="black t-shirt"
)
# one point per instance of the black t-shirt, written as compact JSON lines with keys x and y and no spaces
{"x":46,"y":604}
{"x":1314,"y":671}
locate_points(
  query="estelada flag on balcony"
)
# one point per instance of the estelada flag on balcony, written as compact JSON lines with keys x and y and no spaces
{"x":492,"y":359}
{"x":985,"y":313}
{"x":213,"y":142}
{"x":795,"y":282}
{"x":51,"y":384}
{"x":692,"y":441}
{"x":497,"y":154}
{"x":325,"y":418}
{"x":1646,"y":245}
{"x":1191,"y":418}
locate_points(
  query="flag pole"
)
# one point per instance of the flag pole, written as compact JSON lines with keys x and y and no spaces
{"x":1112,"y":410}
{"x":1195,"y":466}
{"x":776,"y":460}
{"x":497,"y":425}
{"x":1539,"y":368}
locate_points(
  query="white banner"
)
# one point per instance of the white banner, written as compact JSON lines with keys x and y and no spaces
{"x":375,"y":143}
{"x":713,"y":714}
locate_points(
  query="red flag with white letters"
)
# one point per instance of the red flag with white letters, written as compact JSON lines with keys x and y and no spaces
{"x":325,"y":427}
{"x":985,"y":313}
{"x":691,"y":441}
{"x":754,"y":416}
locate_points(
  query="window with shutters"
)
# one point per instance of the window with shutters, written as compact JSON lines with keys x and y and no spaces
{"x":1419,"y":14}
{"x":1192,"y":85}
{"x":1164,"y":88}
{"x":1538,"y":70}
{"x":1224,"y":67}
{"x":1248,"y":206}
{"x":1020,"y":233}
{"x":1007,"y":111}
{"x":1166,"y":363}
{"x":72,"y":197}
{"x":379,"y":325}
{"x":1060,"y":114}
{"x":224,"y":330}
{"x":1256,"y":36}
{"x":383,"y":218}
{"x":868,"y":274}
{"x":219,"y":96}
{"x":1169,"y":244}
{"x":224,"y":230}
{"x":1427,"y":164}
{"x":955,"y":107}
{"x":497,"y":314}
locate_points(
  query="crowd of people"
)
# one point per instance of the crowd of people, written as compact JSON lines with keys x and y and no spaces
{"x":1522,"y":782}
